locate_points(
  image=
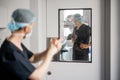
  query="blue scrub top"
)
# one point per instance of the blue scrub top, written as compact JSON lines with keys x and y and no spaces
{"x":14,"y":63}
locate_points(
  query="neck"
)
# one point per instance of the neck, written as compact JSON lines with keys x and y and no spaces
{"x":16,"y":38}
{"x":79,"y":25}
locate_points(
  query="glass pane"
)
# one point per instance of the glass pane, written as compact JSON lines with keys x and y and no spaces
{"x":75,"y":28}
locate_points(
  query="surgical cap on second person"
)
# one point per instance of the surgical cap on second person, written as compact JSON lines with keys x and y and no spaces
{"x":20,"y":19}
{"x":78,"y":17}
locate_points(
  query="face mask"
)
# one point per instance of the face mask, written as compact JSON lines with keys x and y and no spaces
{"x":28,"y":35}
{"x":73,"y":23}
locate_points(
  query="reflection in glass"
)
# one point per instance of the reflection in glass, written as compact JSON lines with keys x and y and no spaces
{"x":75,"y":30}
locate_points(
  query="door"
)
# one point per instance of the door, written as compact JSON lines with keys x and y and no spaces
{"x":76,"y":70}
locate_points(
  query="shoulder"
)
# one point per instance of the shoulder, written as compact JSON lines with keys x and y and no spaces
{"x":7,"y":51}
{"x":85,"y":27}
{"x":7,"y":46}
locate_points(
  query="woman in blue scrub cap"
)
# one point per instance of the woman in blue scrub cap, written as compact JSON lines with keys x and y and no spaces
{"x":81,"y":38}
{"x":21,"y":18}
{"x":15,"y":58}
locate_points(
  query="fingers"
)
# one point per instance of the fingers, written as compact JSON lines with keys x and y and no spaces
{"x":59,"y":46}
{"x":54,"y":41}
{"x":84,"y":46}
{"x":57,"y":43}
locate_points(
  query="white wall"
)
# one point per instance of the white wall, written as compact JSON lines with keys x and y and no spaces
{"x":79,"y":71}
{"x":38,"y":38}
{"x":115,"y":39}
{"x":11,"y":5}
{"x":3,"y":17}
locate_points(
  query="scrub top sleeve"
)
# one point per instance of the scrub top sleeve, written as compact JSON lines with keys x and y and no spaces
{"x":29,"y":53}
{"x":20,"y":67}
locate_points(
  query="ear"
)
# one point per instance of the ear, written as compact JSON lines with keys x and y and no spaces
{"x":26,"y":29}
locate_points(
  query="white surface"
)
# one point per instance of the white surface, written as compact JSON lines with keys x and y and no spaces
{"x":3,"y":17}
{"x":9,"y":6}
{"x":52,"y":18}
{"x":38,"y":39}
{"x":78,"y":71}
{"x":115,"y":40}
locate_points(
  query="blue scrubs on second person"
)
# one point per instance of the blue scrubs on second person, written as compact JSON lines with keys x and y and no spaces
{"x":14,"y":63}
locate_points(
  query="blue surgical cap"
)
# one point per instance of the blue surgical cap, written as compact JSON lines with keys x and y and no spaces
{"x":20,"y":19}
{"x":78,"y":17}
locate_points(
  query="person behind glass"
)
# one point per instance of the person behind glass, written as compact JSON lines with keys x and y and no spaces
{"x":15,"y":58}
{"x":80,"y":38}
